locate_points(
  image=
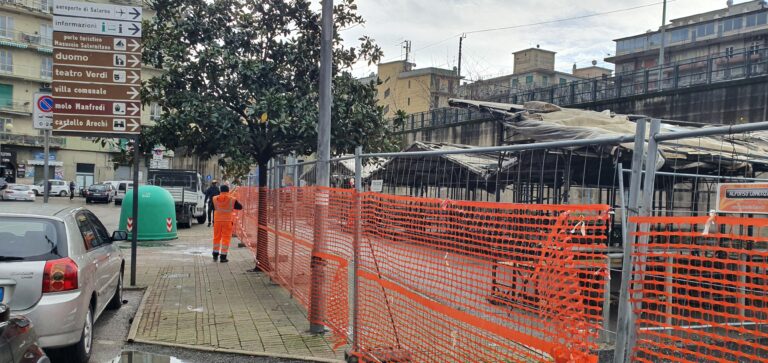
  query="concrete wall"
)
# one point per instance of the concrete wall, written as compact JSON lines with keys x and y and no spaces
{"x":479,"y":133}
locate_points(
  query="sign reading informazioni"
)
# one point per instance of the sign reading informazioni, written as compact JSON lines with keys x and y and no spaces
{"x":749,"y":198}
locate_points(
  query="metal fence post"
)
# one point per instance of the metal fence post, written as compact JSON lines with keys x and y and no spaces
{"x":295,"y":217}
{"x":276,"y":204}
{"x":648,"y":190}
{"x":356,"y":240}
{"x":622,"y":330}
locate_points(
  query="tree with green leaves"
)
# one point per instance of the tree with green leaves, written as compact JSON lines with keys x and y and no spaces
{"x":241,"y":78}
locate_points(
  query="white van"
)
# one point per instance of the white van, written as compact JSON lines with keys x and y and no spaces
{"x":122,"y":188}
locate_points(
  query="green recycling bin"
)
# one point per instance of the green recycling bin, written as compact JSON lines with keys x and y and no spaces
{"x":157,"y":214}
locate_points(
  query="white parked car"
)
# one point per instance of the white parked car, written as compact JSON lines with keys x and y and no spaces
{"x":61,"y":269}
{"x":18,"y":192}
{"x":58,"y":187}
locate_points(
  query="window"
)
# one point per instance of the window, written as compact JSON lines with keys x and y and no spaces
{"x":6,"y":61}
{"x":409,"y":83}
{"x":729,"y":52}
{"x":754,"y":48}
{"x":679,"y":35}
{"x":732,"y":24}
{"x":515,"y":82}
{"x":154,"y":111}
{"x":386,"y":109}
{"x":6,"y":95}
{"x":4,"y":122}
{"x":46,"y":34}
{"x":45,"y":6}
{"x":101,"y":232}
{"x":437,"y":101}
{"x":705,"y":29}
{"x":409,"y":101}
{"x":757,"y":19}
{"x":655,"y":39}
{"x":545,"y":80}
{"x":31,"y":239}
{"x":46,"y":68}
{"x":386,"y":93}
{"x":6,"y":26}
{"x":90,"y":238}
{"x":563,"y":81}
{"x":528,"y":79}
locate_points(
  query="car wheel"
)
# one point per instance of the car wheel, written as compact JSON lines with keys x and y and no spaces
{"x":87,"y":201}
{"x":62,"y":193}
{"x":37,"y":193}
{"x":117,"y":299}
{"x":81,"y":352}
{"x":201,"y":219}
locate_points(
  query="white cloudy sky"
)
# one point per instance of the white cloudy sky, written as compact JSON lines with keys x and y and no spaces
{"x":488,"y":54}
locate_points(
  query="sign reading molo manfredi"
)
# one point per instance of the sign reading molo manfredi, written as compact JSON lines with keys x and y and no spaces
{"x":96,"y":68}
{"x":750,"y":198}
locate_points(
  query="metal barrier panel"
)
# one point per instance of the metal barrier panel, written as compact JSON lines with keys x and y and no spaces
{"x":700,"y":289}
{"x":456,"y":281}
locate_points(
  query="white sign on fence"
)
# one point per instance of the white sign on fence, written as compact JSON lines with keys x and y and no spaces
{"x":377,"y":185}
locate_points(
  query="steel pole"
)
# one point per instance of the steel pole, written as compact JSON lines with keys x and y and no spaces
{"x":317,"y":299}
{"x":356,"y":239}
{"x":661,"y":48}
{"x":46,"y":176}
{"x":135,"y":212}
{"x":622,"y":328}
{"x":648,"y":191}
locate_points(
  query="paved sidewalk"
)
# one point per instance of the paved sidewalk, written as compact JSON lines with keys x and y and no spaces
{"x":195,"y":301}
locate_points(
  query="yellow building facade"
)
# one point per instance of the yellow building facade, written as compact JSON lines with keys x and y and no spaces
{"x":402,"y":87}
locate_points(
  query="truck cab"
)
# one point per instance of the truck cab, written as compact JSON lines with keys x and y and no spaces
{"x":186,"y":188}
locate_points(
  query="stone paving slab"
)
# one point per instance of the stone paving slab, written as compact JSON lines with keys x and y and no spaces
{"x":195,"y":301}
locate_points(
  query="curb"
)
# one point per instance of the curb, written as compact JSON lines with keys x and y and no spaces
{"x":137,"y":318}
{"x":237,"y":351}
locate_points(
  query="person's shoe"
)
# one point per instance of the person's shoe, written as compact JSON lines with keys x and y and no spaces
{"x":216,"y":256}
{"x":209,"y":224}
{"x":223,"y":259}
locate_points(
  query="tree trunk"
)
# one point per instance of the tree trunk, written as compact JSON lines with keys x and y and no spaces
{"x":262,"y":238}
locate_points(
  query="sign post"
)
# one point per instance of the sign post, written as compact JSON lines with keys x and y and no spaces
{"x":97,"y":79}
{"x":42,"y":116}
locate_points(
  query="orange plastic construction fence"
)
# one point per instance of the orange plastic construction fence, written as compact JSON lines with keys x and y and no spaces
{"x":439,"y":280}
{"x":699,"y":290}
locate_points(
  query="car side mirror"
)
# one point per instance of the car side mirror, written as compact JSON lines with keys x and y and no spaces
{"x":119,"y":236}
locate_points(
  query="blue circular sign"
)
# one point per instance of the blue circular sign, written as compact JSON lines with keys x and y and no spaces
{"x":45,"y":103}
{"x":208,"y":177}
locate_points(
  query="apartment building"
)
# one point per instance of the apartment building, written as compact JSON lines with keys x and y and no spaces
{"x":532,"y":68}
{"x":738,"y":31}
{"x":403,"y":87}
{"x":26,"y":66}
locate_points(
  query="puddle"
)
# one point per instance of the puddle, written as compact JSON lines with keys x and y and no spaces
{"x":142,"y":357}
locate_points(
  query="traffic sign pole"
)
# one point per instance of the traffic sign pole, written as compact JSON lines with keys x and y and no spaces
{"x":46,"y":184}
{"x":135,"y":212}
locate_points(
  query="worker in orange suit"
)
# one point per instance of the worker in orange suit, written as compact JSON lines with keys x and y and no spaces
{"x":224,"y":206}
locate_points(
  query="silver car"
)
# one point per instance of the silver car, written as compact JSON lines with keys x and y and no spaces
{"x":61,"y":269}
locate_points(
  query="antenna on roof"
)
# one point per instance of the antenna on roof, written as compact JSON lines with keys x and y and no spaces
{"x":407,"y":47}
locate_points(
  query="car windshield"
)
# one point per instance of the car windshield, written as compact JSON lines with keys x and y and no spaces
{"x":30,"y":239}
{"x":22,"y":188}
{"x":97,"y":188}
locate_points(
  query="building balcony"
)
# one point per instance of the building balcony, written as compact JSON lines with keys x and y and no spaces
{"x":24,"y":40}
{"x":16,"y":107}
{"x":27,"y":73}
{"x":42,"y":8}
{"x":31,"y":140}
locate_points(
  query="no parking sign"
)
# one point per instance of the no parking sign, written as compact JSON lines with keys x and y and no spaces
{"x":42,"y":115}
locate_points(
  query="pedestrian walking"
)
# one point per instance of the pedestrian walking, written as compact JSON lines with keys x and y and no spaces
{"x":224,"y":206}
{"x":72,"y":190}
{"x":211,"y":192}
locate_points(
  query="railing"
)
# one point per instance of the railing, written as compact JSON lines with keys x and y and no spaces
{"x":26,"y":72}
{"x":31,"y":140}
{"x":43,"y":6}
{"x":15,"y":106}
{"x":26,"y":39}
{"x":685,"y":74}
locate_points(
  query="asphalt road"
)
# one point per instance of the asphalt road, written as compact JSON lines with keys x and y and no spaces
{"x":111,"y":330}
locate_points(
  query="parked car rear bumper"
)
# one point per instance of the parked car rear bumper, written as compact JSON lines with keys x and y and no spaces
{"x":58,"y":318}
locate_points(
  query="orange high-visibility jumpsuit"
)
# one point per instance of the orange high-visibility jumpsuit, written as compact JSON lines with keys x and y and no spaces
{"x":223,"y":218}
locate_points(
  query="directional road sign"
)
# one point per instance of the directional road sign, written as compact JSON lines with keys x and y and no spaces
{"x":97,"y":68}
{"x":97,"y":11}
